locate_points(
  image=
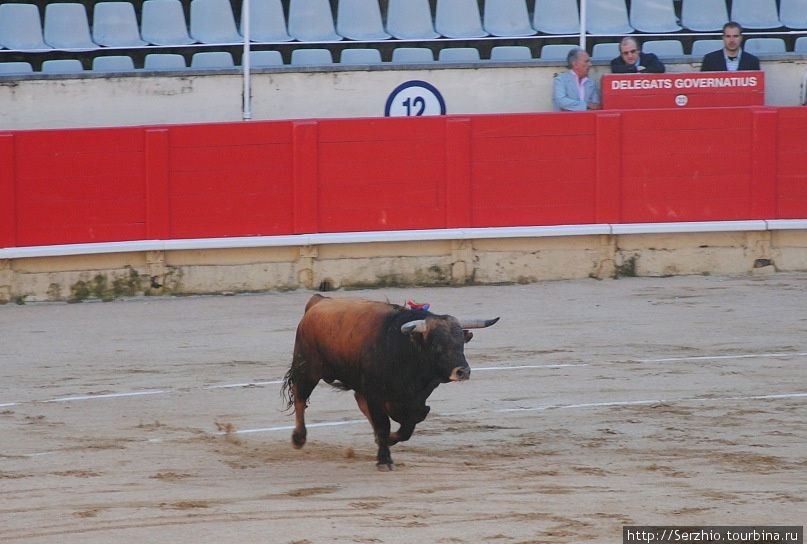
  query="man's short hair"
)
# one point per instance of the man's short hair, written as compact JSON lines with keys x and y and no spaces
{"x":733,"y":24}
{"x":627,"y":39}
{"x":571,"y":56}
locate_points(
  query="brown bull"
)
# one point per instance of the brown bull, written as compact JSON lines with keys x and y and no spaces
{"x":390,"y":356}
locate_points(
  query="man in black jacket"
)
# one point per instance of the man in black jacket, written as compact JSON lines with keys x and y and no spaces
{"x":631,"y":60}
{"x":731,"y":57}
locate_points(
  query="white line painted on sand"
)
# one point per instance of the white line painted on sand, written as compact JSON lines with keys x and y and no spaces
{"x":722,"y":357}
{"x":107,"y":396}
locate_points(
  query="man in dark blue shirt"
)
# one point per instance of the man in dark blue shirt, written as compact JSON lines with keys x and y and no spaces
{"x":731,"y":57}
{"x":631,"y":60}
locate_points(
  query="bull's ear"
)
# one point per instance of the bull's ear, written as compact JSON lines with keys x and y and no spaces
{"x":468,"y":335}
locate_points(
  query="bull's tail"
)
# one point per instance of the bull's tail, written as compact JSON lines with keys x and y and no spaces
{"x":287,"y":391}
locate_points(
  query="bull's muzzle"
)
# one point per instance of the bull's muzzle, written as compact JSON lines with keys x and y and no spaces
{"x":460,"y":373}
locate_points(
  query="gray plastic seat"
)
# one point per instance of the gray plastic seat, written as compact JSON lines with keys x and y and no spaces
{"x":507,"y":18}
{"x":757,"y":46}
{"x":556,"y":17}
{"x":755,"y":13}
{"x":360,"y":20}
{"x":265,"y":59}
{"x":656,"y":16}
{"x":458,"y":19}
{"x":793,"y":14}
{"x":113,"y":63}
{"x":164,"y":61}
{"x":16,"y":67}
{"x":267,"y":22}
{"x":312,"y":21}
{"x":407,"y":55}
{"x":556,"y":51}
{"x":607,"y":17}
{"x":410,"y":19}
{"x":115,"y":25}
{"x":311,"y":57}
{"x":66,"y":27}
{"x":360,"y":56}
{"x":800,"y":46}
{"x":701,"y":47}
{"x":603,"y":51}
{"x":163,"y":23}
{"x":459,"y":54}
{"x":212,"y":22}
{"x":664,"y":48}
{"x":62,"y":66}
{"x":704,"y":15}
{"x":21,"y":27}
{"x":212,"y":60}
{"x":510,"y":52}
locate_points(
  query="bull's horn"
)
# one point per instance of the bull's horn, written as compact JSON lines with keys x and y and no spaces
{"x":418,"y":325}
{"x":477,"y":323}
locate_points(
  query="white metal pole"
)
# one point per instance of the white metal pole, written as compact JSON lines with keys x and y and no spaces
{"x":582,"y":24}
{"x":247,"y":115}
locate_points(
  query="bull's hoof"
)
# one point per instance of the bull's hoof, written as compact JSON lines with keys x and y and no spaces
{"x":385,"y":467}
{"x":297,"y":440}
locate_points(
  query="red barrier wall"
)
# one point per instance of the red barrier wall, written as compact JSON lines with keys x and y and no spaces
{"x":341,"y":175}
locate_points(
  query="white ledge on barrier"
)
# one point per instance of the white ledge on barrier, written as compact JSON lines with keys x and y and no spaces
{"x":400,"y":236}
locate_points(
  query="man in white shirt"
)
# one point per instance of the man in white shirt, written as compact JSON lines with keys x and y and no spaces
{"x":573,"y":90}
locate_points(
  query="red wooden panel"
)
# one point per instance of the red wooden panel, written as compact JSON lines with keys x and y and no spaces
{"x":567,"y":147}
{"x":381,"y":129}
{"x":694,"y":120}
{"x":158,"y":210}
{"x":457,"y":202}
{"x":231,"y":134}
{"x":792,"y":163}
{"x":230,"y":214}
{"x":403,"y":216}
{"x":8,"y":193}
{"x":88,"y":140}
{"x":532,"y":125}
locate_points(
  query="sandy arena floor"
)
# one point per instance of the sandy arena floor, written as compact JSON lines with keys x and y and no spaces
{"x":592,"y":404}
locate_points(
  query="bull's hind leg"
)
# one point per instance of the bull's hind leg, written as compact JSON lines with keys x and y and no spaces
{"x":300,"y":392}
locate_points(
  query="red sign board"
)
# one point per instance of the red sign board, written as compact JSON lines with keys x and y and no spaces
{"x":686,"y":90}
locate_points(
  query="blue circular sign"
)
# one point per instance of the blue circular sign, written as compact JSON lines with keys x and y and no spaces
{"x":413,"y":99}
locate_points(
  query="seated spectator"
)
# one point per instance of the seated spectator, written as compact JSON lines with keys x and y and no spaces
{"x":573,"y":90}
{"x":631,"y":60}
{"x":731,"y":57}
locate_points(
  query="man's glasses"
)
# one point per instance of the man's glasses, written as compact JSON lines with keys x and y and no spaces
{"x":631,"y":52}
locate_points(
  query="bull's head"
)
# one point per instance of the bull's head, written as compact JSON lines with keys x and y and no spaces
{"x":444,"y":338}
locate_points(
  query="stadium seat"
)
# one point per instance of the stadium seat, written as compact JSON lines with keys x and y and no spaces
{"x":556,"y":51}
{"x":704,"y":15}
{"x":265,"y":59}
{"x":605,"y":51}
{"x":701,"y":47}
{"x":360,"y":56}
{"x":793,"y":14}
{"x":7,"y":68}
{"x":507,"y":18}
{"x":21,"y":27}
{"x":360,"y":20}
{"x":62,"y":66}
{"x":311,"y":57}
{"x":114,"y":24}
{"x":410,"y":19}
{"x":164,"y":61}
{"x":607,"y":17}
{"x":510,"y":52}
{"x":755,"y":13}
{"x":113,"y":63}
{"x":556,"y":17}
{"x":763,"y":46}
{"x":801,"y":45}
{"x":664,"y":48}
{"x":267,"y":21}
{"x":212,"y":22}
{"x":656,"y":16}
{"x":66,"y":27}
{"x":212,"y":60}
{"x":459,"y":54}
{"x":312,"y":21}
{"x":405,"y":55}
{"x":458,"y":19}
{"x":163,"y":23}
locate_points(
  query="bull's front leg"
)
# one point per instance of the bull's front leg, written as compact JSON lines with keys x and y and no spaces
{"x":408,"y":417}
{"x":381,"y":427}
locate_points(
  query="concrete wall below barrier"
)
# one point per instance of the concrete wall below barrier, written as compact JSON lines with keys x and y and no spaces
{"x":379,"y":264}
